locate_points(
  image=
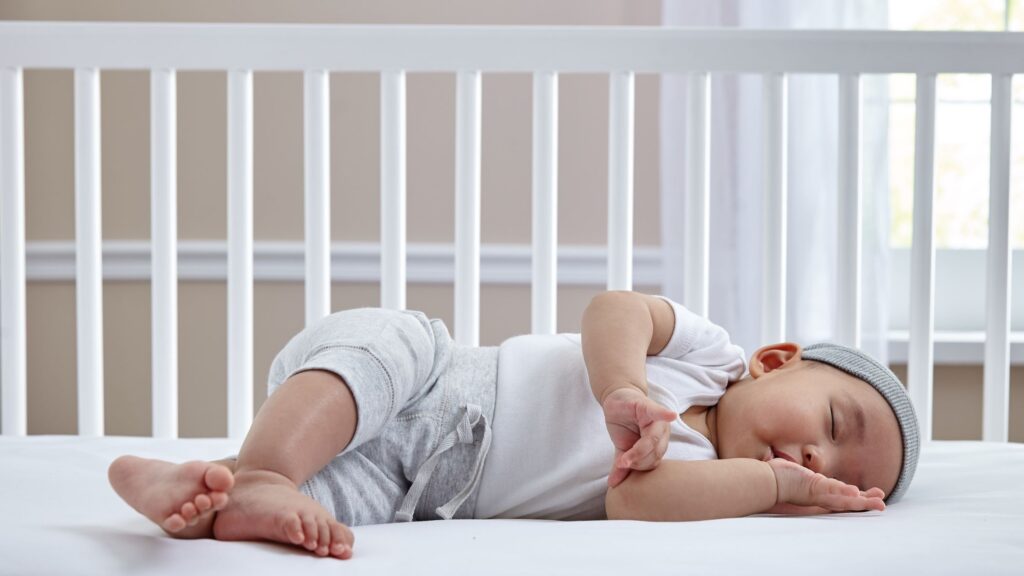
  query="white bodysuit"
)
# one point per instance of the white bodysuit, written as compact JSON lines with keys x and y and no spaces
{"x":551,"y":452}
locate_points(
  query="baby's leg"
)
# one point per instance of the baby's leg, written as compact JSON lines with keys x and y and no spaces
{"x":388,"y":358}
{"x":301,"y":427}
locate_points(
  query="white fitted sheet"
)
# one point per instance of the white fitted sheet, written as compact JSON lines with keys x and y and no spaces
{"x":964,"y":514}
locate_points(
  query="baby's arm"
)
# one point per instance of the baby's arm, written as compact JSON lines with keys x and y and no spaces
{"x":620,"y":329}
{"x":694,"y":490}
{"x":730,"y":488}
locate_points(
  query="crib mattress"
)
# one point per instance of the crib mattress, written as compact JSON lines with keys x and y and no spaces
{"x":963,"y":514}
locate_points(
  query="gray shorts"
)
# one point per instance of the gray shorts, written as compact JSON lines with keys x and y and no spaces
{"x":424,"y":410}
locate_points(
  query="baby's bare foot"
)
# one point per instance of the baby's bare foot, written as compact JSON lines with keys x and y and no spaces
{"x":174,"y":496}
{"x":267,"y":506}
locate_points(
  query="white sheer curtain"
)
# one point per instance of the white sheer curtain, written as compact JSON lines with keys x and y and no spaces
{"x":735,"y":177}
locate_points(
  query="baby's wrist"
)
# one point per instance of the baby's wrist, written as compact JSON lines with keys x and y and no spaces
{"x":779,"y":496}
{"x":616,"y":387}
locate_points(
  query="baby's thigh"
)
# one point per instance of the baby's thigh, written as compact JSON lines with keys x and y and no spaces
{"x":381,"y":332}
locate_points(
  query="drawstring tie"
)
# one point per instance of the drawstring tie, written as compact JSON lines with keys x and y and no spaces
{"x":463,"y":434}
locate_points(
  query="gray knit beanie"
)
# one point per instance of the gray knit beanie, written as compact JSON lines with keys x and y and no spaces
{"x":859,"y":364}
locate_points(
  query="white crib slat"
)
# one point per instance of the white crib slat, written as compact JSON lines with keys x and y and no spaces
{"x":317,"y":121}
{"x":467,"y":209}
{"x":922,"y":259}
{"x":620,"y":181}
{"x":698,"y":193}
{"x":12,"y":247}
{"x":773,"y":295}
{"x":240,"y":253}
{"x":392,"y":198}
{"x":848,"y":296}
{"x":88,"y":252}
{"x":544,"y":289}
{"x":997,"y":339}
{"x":163,"y":183}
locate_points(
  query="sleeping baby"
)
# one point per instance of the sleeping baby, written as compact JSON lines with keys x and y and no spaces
{"x":376,"y":416}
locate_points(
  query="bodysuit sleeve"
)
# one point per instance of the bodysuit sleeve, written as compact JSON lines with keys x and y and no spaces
{"x":697,"y":340}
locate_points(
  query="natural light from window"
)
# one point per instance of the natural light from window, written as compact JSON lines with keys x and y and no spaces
{"x":961,"y":131}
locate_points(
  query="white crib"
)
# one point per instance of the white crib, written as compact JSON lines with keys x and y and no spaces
{"x":933,"y":520}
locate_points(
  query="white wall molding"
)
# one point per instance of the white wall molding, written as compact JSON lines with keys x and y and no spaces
{"x":283,"y":261}
{"x":434,"y":263}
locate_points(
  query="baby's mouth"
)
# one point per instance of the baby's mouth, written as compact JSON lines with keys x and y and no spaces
{"x":782,"y":455}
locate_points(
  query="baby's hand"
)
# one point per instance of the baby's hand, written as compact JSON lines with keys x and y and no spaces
{"x":639,"y":429}
{"x":803,"y":491}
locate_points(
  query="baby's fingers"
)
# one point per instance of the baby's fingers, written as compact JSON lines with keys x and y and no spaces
{"x":841,"y":488}
{"x":840,"y":497}
{"x":874,"y":493}
{"x":640,"y":452}
{"x":838,"y":503}
{"x":647,"y":452}
{"x":657,"y":412}
{"x":617,"y":475}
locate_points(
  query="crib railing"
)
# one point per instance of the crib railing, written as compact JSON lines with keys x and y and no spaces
{"x":545,"y":52}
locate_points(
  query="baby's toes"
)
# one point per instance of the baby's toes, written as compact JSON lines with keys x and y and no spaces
{"x":174,"y":522}
{"x":310,"y":528}
{"x":293,"y":529}
{"x":218,"y":478}
{"x":338,"y":539}
{"x":323,"y":547}
{"x":218,"y":499}
{"x":202,"y":503}
{"x":188,"y":511}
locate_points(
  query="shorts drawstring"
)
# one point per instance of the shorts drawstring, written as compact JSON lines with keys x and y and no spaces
{"x":463,"y":434}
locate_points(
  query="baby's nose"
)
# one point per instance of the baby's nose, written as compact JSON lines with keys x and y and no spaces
{"x":813,"y":458}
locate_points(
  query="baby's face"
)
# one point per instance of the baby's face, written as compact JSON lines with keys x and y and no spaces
{"x":817,"y":416}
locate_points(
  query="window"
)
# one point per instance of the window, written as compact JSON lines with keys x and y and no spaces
{"x":961,"y":132}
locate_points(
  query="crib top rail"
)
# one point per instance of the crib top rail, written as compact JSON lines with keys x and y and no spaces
{"x":415,"y":48}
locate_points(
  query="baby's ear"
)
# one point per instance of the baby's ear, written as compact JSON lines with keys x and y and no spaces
{"x":773,"y":357}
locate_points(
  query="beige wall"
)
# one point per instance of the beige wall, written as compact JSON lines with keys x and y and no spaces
{"x":354,"y":205}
